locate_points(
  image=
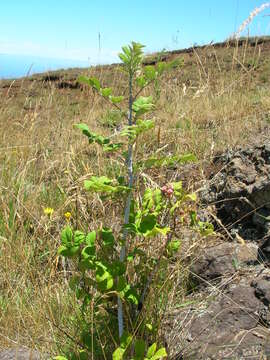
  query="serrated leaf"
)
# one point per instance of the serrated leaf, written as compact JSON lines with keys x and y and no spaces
{"x":103,"y":277}
{"x":68,"y":251}
{"x":125,"y":340}
{"x":142,"y":105}
{"x":116,"y":99}
{"x":132,"y":296}
{"x":88,"y":252}
{"x":112,"y":147}
{"x":67,"y":236}
{"x":192,"y":197}
{"x":79,"y":237}
{"x":151,"y":351}
{"x":102,"y":184}
{"x":94,"y":82}
{"x":159,"y":354}
{"x":106,"y":92}
{"x":84,"y":128}
{"x":91,"y":238}
{"x":118,"y":353}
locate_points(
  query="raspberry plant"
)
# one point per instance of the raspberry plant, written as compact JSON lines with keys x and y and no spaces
{"x":104,"y":260}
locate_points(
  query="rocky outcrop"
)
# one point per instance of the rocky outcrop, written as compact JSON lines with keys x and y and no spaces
{"x":229,"y":312}
{"x":240,"y":191}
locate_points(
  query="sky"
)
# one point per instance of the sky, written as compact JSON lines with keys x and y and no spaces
{"x":93,"y":31}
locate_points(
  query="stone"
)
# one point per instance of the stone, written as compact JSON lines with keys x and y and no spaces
{"x":215,"y":264}
{"x":230,"y":324}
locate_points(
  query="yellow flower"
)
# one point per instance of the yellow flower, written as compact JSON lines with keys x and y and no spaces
{"x":67,"y":215}
{"x":48,"y":211}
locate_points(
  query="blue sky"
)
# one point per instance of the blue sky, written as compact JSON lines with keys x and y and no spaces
{"x":70,"y":28}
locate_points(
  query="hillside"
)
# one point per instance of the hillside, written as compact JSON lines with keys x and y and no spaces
{"x":218,"y":100}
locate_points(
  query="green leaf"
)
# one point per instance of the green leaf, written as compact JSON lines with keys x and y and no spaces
{"x":132,"y":296}
{"x":142,"y":105}
{"x":59,"y":357}
{"x":107,"y":237}
{"x":68,"y":251}
{"x":103,"y":277}
{"x":151,"y":351}
{"x":139,"y":349}
{"x":106,"y":92}
{"x":150,"y":72}
{"x":160,"y":230}
{"x":141,"y":81}
{"x":141,"y":126}
{"x":94,"y":82}
{"x":88,"y":252}
{"x":79,"y":237}
{"x":116,"y":99}
{"x":102,"y":184}
{"x":159,"y":354}
{"x":193,"y":218}
{"x":168,"y":161}
{"x":148,"y":222}
{"x":173,"y":246}
{"x":118,"y":353}
{"x":112,"y":147}
{"x":91,"y":238}
{"x":149,"y":327}
{"x":67,"y":236}
{"x":125,"y":340}
{"x":84,"y":128}
{"x":205,"y":228}
{"x":192,"y":197}
{"x":95,"y":138}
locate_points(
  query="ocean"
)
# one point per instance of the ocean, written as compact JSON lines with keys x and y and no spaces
{"x":16,"y":66}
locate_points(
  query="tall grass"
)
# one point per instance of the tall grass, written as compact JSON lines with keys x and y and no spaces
{"x":204,"y":108}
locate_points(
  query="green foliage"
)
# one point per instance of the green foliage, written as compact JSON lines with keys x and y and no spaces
{"x":102,"y":184}
{"x":139,"y":349}
{"x":101,"y":276}
{"x":142,"y":105}
{"x":105,"y":142}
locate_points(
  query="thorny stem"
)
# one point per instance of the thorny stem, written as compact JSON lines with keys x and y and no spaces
{"x":128,"y":202}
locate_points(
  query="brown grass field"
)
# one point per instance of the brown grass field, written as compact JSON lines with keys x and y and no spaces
{"x":219,"y":99}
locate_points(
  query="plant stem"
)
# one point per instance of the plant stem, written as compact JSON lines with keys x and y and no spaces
{"x":128,"y":202}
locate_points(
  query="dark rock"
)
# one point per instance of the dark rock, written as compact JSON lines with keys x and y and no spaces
{"x":228,"y":324}
{"x":229,"y":315}
{"x":241,"y":188}
{"x":219,"y":262}
{"x":262,"y":289}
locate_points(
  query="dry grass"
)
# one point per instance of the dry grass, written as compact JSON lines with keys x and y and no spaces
{"x":219,"y":99}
